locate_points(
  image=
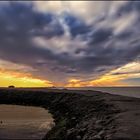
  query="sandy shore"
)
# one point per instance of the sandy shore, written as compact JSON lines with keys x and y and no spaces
{"x":82,"y":115}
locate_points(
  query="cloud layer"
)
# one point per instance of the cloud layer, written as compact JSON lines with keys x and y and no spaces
{"x":59,"y":40}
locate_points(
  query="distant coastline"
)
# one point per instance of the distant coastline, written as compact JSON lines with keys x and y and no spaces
{"x":130,"y":91}
{"x":125,"y":91}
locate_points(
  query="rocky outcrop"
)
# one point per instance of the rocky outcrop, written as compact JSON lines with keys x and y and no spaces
{"x":79,"y":115}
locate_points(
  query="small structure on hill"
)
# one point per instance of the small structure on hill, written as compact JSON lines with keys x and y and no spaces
{"x":11,"y":86}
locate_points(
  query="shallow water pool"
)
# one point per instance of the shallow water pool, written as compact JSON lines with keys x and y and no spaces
{"x":24,"y":122}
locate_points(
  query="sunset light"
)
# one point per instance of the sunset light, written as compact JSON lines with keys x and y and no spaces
{"x":69,"y":43}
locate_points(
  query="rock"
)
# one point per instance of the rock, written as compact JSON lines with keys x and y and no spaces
{"x":70,"y":131}
{"x":98,"y":127}
{"x":101,"y":133}
{"x":78,"y":137}
{"x":96,"y":137}
{"x":83,"y":130}
{"x":108,"y":137}
{"x":98,"y":122}
{"x":73,"y":118}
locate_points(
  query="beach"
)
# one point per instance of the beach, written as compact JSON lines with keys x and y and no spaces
{"x":82,"y":115}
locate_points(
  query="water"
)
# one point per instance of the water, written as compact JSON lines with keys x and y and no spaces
{"x":125,"y":91}
{"x":23,"y":122}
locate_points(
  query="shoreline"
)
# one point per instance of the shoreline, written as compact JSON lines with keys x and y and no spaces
{"x":82,"y":115}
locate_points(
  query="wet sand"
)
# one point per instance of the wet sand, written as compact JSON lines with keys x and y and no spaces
{"x":22,"y":122}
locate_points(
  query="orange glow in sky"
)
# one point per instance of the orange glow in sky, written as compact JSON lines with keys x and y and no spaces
{"x":101,"y":82}
{"x":127,"y":71}
{"x":106,"y":80}
{"x":69,"y":43}
{"x":21,"y":80}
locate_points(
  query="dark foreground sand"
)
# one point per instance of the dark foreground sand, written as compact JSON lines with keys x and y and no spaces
{"x":82,"y":115}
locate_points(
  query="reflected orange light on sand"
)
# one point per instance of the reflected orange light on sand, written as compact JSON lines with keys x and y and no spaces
{"x":21,"y":80}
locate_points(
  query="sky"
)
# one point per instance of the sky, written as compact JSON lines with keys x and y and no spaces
{"x":69,"y":43}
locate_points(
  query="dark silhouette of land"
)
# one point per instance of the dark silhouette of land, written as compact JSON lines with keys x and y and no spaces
{"x":11,"y":86}
{"x":82,"y":115}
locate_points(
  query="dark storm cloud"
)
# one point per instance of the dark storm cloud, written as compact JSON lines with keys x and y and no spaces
{"x":19,"y":19}
{"x":101,"y":35}
{"x":129,"y":7}
{"x":18,"y":24}
{"x":124,"y":35}
{"x":76,"y":25}
{"x":103,"y":50}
